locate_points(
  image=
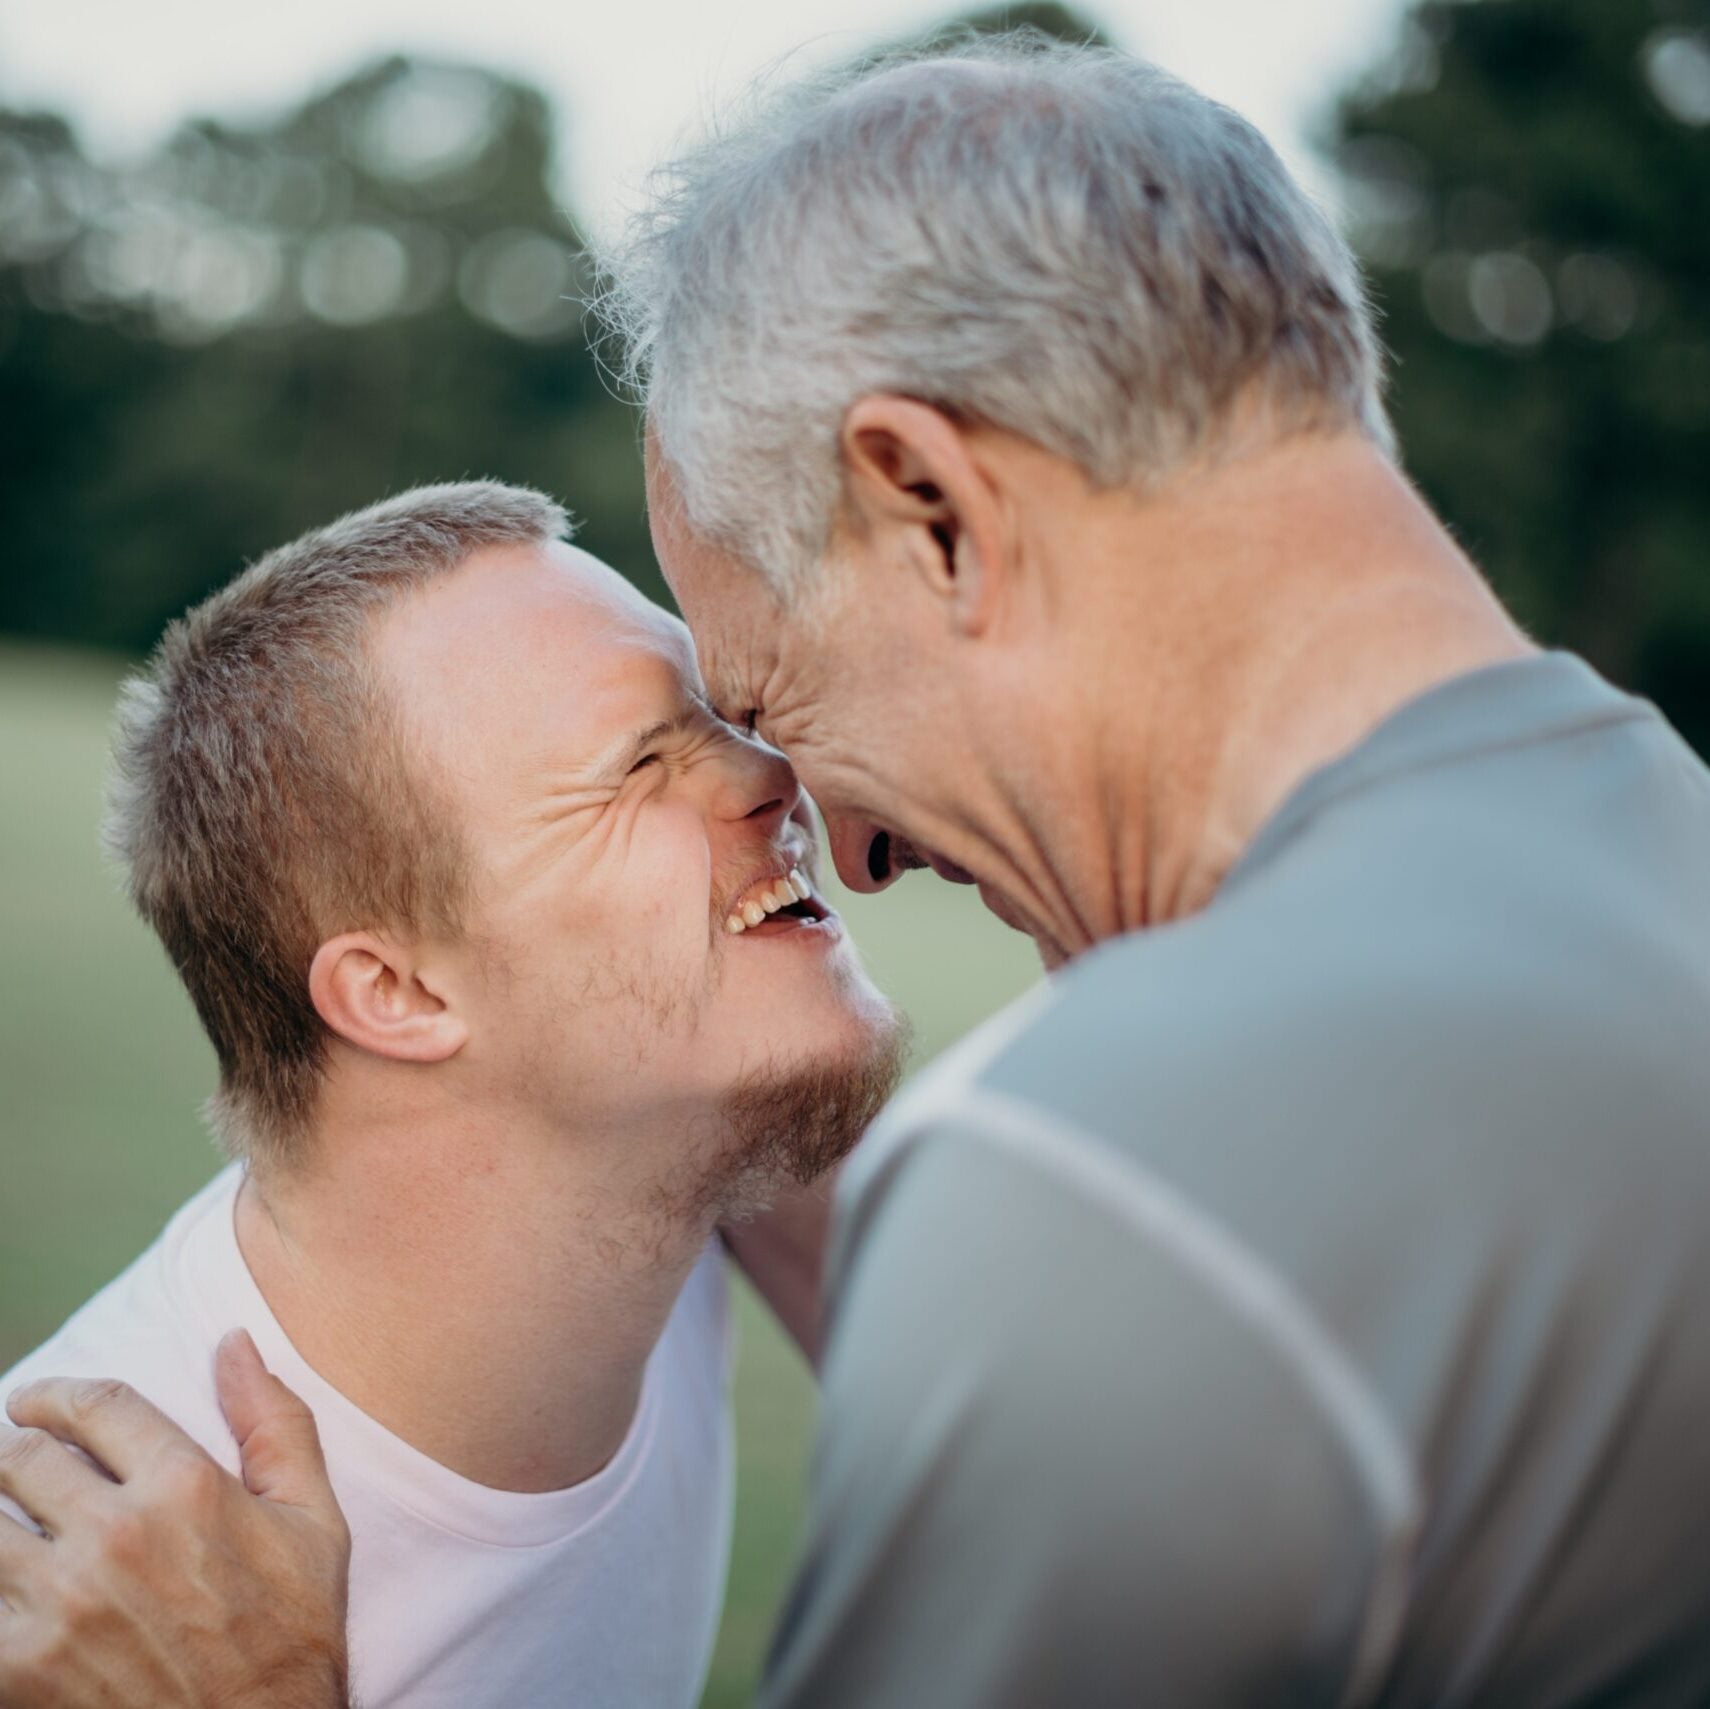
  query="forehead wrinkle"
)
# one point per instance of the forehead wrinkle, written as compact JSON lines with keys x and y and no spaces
{"x":730,"y":669}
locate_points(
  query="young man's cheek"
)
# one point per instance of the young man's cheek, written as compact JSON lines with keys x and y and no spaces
{"x":668,"y":878}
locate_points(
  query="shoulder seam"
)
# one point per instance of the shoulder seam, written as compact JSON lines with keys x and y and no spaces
{"x":1288,"y":825}
{"x":1254,"y":1292}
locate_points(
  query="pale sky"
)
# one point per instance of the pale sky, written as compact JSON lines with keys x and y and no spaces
{"x":627,"y":75}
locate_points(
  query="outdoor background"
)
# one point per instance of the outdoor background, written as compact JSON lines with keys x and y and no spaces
{"x":221,"y":329}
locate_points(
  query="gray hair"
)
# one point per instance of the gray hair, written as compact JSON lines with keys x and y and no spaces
{"x":263,"y":795}
{"x":1064,"y":242}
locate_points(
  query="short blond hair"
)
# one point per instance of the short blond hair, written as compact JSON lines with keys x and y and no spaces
{"x":263,"y":796}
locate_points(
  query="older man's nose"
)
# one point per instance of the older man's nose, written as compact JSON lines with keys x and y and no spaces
{"x":864,"y":854}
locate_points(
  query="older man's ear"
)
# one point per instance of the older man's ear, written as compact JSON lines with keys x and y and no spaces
{"x":385,"y":998}
{"x":920,"y":486}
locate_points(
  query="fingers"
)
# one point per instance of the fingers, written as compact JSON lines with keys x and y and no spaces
{"x":49,"y":1482}
{"x":275,"y":1431}
{"x":23,"y":1555}
{"x":108,"y":1420}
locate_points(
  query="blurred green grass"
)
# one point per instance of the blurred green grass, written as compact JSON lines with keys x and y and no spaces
{"x":102,"y":1069}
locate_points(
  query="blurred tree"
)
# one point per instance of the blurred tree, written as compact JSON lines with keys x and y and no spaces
{"x":1047,"y":16}
{"x":259,"y":328}
{"x":204,"y":353}
{"x":1529,"y":184}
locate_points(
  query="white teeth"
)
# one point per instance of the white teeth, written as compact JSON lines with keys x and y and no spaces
{"x":768,"y":899}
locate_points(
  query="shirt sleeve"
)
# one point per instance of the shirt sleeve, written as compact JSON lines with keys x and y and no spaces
{"x":1055,"y":1467}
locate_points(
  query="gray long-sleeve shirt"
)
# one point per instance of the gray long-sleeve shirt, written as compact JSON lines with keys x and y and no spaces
{"x":1309,"y":1302}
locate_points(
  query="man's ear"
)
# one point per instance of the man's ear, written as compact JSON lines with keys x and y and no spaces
{"x":914,"y":474}
{"x":376,"y":995}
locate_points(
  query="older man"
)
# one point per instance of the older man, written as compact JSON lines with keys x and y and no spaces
{"x":510,"y":956}
{"x":1297,"y":1302}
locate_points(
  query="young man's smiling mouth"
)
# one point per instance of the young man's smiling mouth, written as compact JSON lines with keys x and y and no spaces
{"x":778,"y":902}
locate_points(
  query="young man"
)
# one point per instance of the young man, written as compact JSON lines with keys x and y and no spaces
{"x":509,"y":950}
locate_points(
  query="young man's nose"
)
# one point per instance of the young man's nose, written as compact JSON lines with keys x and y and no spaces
{"x":760,"y":786}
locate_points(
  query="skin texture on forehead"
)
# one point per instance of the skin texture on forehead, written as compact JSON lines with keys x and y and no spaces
{"x":737,"y":621}
{"x":502,"y":658}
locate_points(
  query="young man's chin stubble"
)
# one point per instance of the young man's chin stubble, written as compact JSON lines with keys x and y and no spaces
{"x":788,"y":1125}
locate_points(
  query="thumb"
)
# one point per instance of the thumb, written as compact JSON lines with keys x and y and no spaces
{"x":275,"y":1431}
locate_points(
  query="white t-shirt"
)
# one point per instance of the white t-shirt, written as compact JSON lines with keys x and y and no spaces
{"x":604,"y":1596}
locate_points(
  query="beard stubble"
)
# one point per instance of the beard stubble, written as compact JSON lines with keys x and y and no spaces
{"x":788,"y":1126}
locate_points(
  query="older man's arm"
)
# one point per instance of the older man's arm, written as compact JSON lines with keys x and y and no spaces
{"x":782,"y":1252}
{"x":165,"y":1583}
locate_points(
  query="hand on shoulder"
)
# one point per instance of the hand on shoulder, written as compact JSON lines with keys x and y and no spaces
{"x":158,"y":1580}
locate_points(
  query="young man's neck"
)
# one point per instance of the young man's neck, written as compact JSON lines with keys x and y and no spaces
{"x":484,"y":1297}
{"x":1252,"y":625}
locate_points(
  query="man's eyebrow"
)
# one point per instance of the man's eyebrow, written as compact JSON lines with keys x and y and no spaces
{"x":622,"y":756}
